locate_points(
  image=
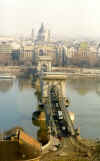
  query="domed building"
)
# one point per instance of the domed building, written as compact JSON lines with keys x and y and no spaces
{"x":43,"y":34}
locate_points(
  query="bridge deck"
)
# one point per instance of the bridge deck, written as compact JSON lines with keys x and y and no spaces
{"x":59,"y":118}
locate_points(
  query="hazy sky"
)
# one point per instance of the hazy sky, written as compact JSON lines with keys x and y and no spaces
{"x":63,"y":17}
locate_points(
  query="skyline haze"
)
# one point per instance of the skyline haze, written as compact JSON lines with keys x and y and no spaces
{"x":64,"y":18}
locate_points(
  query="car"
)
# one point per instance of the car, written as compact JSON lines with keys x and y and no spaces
{"x":60,"y":115}
{"x":63,"y":128}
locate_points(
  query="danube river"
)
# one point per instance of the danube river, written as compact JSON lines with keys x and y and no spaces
{"x":84,"y":95}
{"x":18,"y":101}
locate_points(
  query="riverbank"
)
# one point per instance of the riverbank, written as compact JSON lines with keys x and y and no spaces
{"x":77,"y":72}
{"x":70,"y":149}
{"x":27,"y":71}
{"x":82,"y":76}
{"x":75,"y":150}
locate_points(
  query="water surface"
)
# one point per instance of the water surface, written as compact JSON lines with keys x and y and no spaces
{"x":18,"y":101}
{"x":84,"y":95}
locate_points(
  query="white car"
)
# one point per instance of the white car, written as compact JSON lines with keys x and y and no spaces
{"x":60,"y":115}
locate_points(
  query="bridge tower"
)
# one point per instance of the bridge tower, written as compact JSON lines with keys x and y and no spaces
{"x":53,"y":79}
{"x":44,"y":64}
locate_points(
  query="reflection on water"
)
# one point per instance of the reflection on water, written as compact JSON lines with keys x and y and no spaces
{"x":18,"y":101}
{"x":25,"y":84}
{"x":84,"y":86}
{"x":17,"y":105}
{"x":5,"y":85}
{"x":84,"y":95}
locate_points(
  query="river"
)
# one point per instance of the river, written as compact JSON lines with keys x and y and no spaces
{"x":18,"y":101}
{"x":84,"y":95}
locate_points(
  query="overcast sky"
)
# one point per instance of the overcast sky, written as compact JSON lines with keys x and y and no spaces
{"x":63,"y":17}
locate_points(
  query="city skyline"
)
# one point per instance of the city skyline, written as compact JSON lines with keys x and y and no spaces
{"x":64,"y":18}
